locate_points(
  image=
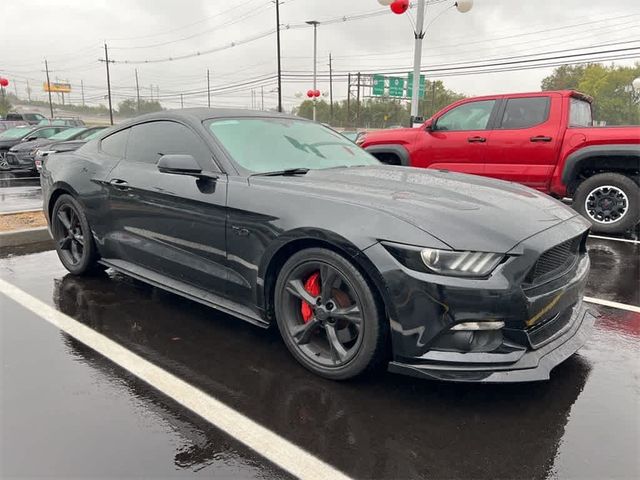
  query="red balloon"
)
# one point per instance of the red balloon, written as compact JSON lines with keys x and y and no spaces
{"x":316,"y":93}
{"x":400,"y":6}
{"x":310,"y":93}
{"x":4,"y":82}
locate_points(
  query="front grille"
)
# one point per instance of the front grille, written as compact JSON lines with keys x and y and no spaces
{"x":555,"y":261}
{"x":12,"y":159}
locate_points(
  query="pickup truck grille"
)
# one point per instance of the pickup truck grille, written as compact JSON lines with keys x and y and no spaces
{"x":555,"y":261}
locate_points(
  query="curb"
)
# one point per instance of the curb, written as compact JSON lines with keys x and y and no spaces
{"x":24,"y":237}
{"x":18,"y":212}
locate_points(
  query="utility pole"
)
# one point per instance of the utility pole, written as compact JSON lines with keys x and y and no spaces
{"x":348,"y":100}
{"x":106,"y":62}
{"x":262,"y":95}
{"x":279,"y":63}
{"x":82,"y":91}
{"x":137,"y":90}
{"x":158,"y":93}
{"x":358,"y":104}
{"x":208,"y":89}
{"x":28,"y":90}
{"x":181,"y":101}
{"x":46,"y":68}
{"x":330,"y":90}
{"x":15,"y":87}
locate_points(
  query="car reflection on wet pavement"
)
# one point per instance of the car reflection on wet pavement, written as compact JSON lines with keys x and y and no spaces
{"x":582,"y":423}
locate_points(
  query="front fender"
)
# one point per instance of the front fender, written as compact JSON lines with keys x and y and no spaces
{"x":401,"y":152}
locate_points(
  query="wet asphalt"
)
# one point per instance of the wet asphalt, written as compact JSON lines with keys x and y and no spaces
{"x":69,"y":412}
{"x":19,"y":190}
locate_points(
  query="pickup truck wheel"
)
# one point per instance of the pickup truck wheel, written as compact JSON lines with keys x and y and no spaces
{"x":610,"y":201}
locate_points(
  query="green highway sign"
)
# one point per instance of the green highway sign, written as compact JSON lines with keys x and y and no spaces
{"x":378,"y":85}
{"x":410,"y":85}
{"x":396,"y":87}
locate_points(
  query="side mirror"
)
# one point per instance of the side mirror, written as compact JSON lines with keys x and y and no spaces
{"x":28,"y":139}
{"x":428,"y":125}
{"x":179,"y":165}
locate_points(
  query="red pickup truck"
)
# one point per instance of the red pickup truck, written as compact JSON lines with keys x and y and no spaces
{"x":544,"y":140}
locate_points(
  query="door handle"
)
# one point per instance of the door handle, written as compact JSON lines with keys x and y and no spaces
{"x":476,"y":140}
{"x":119,"y":184}
{"x":541,"y":138}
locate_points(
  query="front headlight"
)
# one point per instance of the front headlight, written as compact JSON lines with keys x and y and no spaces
{"x":446,"y":262}
{"x":464,"y":264}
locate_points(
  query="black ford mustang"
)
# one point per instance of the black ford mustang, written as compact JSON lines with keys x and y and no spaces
{"x":276,"y":219}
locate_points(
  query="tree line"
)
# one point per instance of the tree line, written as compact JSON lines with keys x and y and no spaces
{"x":615,"y":102}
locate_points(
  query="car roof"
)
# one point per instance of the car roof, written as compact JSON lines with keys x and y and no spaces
{"x":200,"y":114}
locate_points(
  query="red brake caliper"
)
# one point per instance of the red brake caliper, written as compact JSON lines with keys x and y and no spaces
{"x":312,"y":285}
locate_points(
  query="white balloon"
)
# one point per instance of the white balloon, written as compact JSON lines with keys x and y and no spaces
{"x":464,"y":6}
{"x":386,"y":3}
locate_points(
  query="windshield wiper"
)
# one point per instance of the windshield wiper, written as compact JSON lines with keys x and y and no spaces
{"x":283,"y":173}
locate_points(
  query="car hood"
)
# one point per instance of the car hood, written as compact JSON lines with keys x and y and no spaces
{"x":466,"y":212}
{"x":30,"y":145}
{"x":6,"y":144}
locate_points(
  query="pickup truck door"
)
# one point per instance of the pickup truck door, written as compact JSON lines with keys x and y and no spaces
{"x":457,"y":139}
{"x":524,"y":144}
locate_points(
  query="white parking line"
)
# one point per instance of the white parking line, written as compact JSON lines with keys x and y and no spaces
{"x":609,"y":303}
{"x":271,"y":446}
{"x":599,"y":237}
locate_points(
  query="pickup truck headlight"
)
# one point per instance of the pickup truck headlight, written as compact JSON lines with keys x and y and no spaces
{"x":446,"y":262}
{"x":463,"y":264}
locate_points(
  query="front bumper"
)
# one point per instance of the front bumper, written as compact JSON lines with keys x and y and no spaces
{"x":534,"y":365}
{"x":19,"y":160}
{"x":544,"y":323}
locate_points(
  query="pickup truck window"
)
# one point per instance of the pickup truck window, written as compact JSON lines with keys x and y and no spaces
{"x":468,"y":116}
{"x":580,"y":113}
{"x":525,"y":112}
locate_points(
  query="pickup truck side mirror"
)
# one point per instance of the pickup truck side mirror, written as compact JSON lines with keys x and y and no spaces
{"x":179,"y":165}
{"x":428,"y":125}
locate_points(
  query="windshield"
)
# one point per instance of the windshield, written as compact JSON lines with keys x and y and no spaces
{"x":67,"y":134}
{"x":263,"y":145}
{"x":580,"y":113}
{"x":14,"y":133}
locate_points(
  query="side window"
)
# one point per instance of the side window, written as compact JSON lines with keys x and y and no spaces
{"x":115,"y":144}
{"x":468,"y":116}
{"x":46,"y":132}
{"x":149,"y":141}
{"x":525,"y":112}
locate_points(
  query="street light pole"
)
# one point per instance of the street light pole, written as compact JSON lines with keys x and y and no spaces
{"x":315,"y":62}
{"x":417,"y":59}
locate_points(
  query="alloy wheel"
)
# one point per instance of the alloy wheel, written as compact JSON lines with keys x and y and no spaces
{"x":323,"y":313}
{"x":4,"y":164}
{"x":68,"y":234}
{"x":606,"y":204}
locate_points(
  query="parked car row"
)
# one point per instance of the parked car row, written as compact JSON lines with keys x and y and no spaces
{"x":19,"y":145}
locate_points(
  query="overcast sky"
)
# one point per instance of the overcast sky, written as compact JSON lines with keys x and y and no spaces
{"x":71,"y":33}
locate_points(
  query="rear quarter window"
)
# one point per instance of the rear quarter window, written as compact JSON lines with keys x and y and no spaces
{"x":580,"y":113}
{"x":115,"y":144}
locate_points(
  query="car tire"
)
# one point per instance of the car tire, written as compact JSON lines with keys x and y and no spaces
{"x":73,"y":238}
{"x":597,"y":194}
{"x":347,"y":331}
